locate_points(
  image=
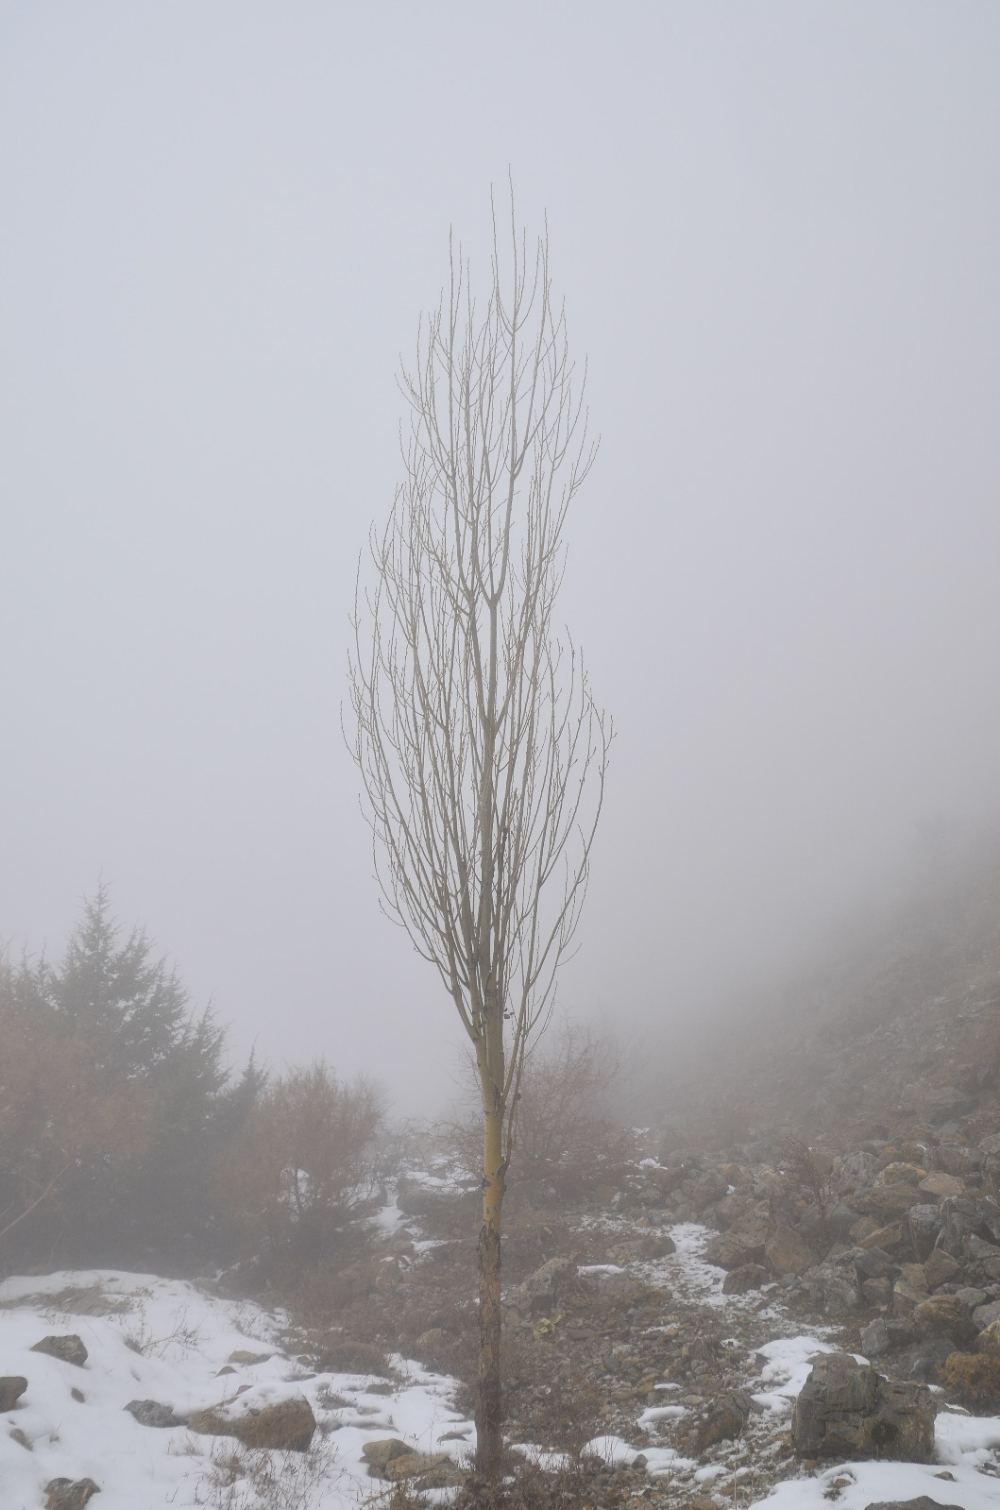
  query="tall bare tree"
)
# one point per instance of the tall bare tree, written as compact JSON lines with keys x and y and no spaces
{"x":481,"y":750}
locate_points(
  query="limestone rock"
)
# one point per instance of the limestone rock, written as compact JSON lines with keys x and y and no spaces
{"x":786,"y":1253}
{"x":69,"y":1348}
{"x":69,"y":1494}
{"x":12,"y":1387}
{"x":258,"y":1420}
{"x":846,"y":1409}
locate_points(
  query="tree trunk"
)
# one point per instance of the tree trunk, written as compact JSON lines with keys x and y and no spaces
{"x":489,"y":1397}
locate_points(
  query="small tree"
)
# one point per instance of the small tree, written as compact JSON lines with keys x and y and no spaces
{"x":481,"y":750}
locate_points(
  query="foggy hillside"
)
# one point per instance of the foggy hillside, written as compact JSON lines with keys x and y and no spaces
{"x":899,"y":1015}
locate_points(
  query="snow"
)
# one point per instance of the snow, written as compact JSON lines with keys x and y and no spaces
{"x":154,"y":1339}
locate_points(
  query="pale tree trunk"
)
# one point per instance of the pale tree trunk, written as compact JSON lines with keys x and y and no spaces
{"x":489,"y":1396}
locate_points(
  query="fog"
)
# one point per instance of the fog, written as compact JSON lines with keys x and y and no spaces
{"x":776,"y":229}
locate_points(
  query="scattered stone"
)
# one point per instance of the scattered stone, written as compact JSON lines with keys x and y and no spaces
{"x":69,"y":1494}
{"x":152,"y":1413}
{"x":12,"y":1387}
{"x":70,"y":1349}
{"x":846,"y":1409}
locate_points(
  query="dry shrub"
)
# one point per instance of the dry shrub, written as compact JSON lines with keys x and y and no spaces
{"x":584,"y":1484}
{"x":565,"y":1137}
{"x":307,"y":1161}
{"x":255,"y":1478}
{"x":973,"y":1379}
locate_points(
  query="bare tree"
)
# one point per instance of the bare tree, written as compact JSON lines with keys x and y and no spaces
{"x":482,"y":753}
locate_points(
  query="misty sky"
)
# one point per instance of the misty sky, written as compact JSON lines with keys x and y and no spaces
{"x":777,"y":229}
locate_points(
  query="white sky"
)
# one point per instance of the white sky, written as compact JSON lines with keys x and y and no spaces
{"x":776,"y":227}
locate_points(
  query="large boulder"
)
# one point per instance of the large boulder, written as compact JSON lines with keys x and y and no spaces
{"x":260,"y":1418}
{"x":847,"y":1410}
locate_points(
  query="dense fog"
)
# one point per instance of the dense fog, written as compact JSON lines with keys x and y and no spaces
{"x":776,"y":229}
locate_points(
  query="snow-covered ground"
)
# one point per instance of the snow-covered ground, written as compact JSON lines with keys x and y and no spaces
{"x":154,"y":1339}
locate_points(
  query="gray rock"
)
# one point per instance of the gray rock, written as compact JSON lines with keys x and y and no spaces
{"x":847,"y":1410}
{"x":12,"y":1387}
{"x":984,"y":1316}
{"x":875,"y":1338}
{"x":69,"y":1348}
{"x":152,"y":1413}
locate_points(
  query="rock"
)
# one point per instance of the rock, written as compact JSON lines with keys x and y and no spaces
{"x":973,"y":1379}
{"x":940,"y":1268}
{"x":944,"y":1316}
{"x":69,"y":1494}
{"x":924,"y":1223}
{"x":152,"y":1413}
{"x":256,"y":1420}
{"x":744,"y":1241}
{"x":988,"y":1340}
{"x":905,"y":1298}
{"x":69,"y":1348}
{"x":833,"y":1288}
{"x":242,"y":1356}
{"x":667,"y":1180}
{"x":412,"y":1465}
{"x":925,"y":1361}
{"x":875,"y":1338}
{"x":12,"y":1387}
{"x":787,"y":1253}
{"x":940,"y":1184}
{"x":984,"y":1316}
{"x":746,"y":1277}
{"x":960,"y":1219}
{"x":873,"y":1263}
{"x":887,"y":1201}
{"x":877,"y":1292}
{"x":726,"y":1421}
{"x":540,"y":1291}
{"x":846,"y":1409}
{"x":886,"y":1238}
{"x":922,"y":1502}
{"x":709,"y":1188}
{"x":382,"y":1451}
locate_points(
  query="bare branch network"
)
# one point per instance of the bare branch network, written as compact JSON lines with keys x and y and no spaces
{"x":482,"y":753}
